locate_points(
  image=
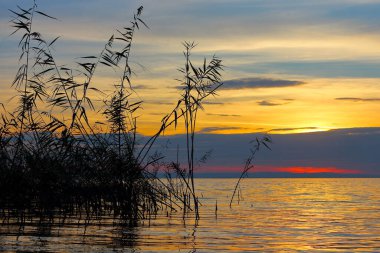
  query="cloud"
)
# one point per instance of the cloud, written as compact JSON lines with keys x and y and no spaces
{"x":143,"y":87}
{"x":292,"y":129}
{"x":267,"y":103}
{"x":213,"y":103}
{"x":358,"y":67}
{"x":159,"y":102}
{"x":208,"y":130}
{"x":256,"y":82}
{"x":357,"y":131}
{"x":224,"y":115}
{"x":318,"y":152}
{"x":348,"y":150}
{"x":157,"y":114}
{"x":353,"y":99}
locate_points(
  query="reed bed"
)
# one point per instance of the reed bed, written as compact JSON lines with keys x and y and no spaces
{"x":53,"y":158}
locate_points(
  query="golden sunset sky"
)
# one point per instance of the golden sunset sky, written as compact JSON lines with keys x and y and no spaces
{"x":290,"y":66}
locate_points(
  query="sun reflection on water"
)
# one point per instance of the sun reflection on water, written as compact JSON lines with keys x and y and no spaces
{"x":274,"y":215}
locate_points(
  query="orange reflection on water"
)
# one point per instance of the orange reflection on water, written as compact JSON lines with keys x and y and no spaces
{"x":273,"y":215}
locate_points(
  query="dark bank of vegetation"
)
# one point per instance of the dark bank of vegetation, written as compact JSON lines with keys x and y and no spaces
{"x":55,"y":159}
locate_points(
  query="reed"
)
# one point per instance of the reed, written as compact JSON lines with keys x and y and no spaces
{"x":248,"y":164}
{"x":68,"y":164}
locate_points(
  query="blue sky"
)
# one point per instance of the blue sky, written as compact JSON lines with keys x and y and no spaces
{"x":302,"y":38}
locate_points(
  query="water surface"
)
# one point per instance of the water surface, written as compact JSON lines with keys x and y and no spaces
{"x":273,"y":215}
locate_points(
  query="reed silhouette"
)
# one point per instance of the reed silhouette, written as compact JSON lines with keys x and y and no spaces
{"x":55,"y":159}
{"x":248,"y":164}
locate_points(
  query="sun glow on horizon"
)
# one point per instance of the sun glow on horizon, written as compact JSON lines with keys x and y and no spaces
{"x":289,"y":169}
{"x":313,"y":170}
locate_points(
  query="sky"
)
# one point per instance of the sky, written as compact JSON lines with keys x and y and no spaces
{"x":336,"y":153}
{"x":293,"y":68}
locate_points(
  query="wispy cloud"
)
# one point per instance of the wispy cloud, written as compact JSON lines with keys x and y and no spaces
{"x":213,"y":103}
{"x":256,"y":82}
{"x":157,"y":113}
{"x":224,"y":115}
{"x":143,"y":87}
{"x":271,"y":103}
{"x":268,"y":103}
{"x":208,"y":130}
{"x":293,"y":129}
{"x":359,"y":99}
{"x":158,"y":102}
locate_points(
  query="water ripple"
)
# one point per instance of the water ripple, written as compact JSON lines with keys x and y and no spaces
{"x":274,"y":215}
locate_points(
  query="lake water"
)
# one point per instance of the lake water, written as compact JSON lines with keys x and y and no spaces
{"x":274,"y":215}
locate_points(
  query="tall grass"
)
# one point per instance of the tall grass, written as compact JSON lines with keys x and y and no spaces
{"x":53,"y":157}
